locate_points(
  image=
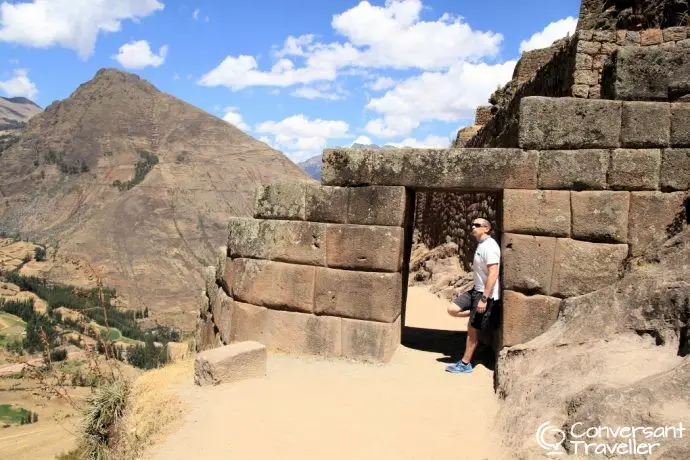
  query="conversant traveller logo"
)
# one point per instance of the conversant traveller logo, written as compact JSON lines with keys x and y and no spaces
{"x":550,"y":438}
{"x":605,"y":440}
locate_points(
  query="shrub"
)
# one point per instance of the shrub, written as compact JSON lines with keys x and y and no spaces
{"x":15,"y":346}
{"x":34,"y":327}
{"x":147,"y":356}
{"x":104,"y":409}
{"x":24,"y":309}
{"x":40,"y":254}
{"x":141,"y":169}
{"x":58,"y":354}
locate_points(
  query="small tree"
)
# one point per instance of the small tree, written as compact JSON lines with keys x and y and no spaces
{"x":40,"y":254}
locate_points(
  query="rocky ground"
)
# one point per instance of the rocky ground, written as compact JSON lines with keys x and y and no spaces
{"x":439,"y":269}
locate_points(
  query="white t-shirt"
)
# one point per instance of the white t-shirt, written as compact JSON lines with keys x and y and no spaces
{"x":488,"y":253}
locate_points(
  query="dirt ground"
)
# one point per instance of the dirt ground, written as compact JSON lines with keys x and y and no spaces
{"x":54,"y":433}
{"x":337,"y":409}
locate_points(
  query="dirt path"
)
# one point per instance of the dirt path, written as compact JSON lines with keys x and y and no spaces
{"x":336,"y":409}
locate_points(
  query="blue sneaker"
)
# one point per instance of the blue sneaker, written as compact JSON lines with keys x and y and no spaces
{"x":459,"y":368}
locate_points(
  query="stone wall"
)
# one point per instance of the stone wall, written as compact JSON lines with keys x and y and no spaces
{"x":589,"y":187}
{"x":446,"y":217}
{"x":318,"y":271}
{"x":595,"y":48}
{"x":595,"y":186}
{"x":632,"y":14}
{"x":554,"y":79}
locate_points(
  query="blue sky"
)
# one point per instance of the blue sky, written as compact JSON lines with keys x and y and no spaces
{"x":300,"y":74}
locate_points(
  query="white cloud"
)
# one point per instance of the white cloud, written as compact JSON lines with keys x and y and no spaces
{"x":195,"y":14}
{"x":391,"y":36}
{"x":176,"y":76}
{"x":444,"y":96}
{"x":73,"y":24}
{"x":550,"y":34}
{"x":294,"y":46}
{"x":19,"y":85}
{"x":364,"y":140}
{"x":234,"y":117}
{"x":301,"y":138}
{"x":307,"y":92}
{"x":382,"y":83}
{"x":137,"y":55}
{"x":428,"y":143}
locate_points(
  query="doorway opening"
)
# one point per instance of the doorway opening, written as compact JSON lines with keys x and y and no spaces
{"x":439,"y":249}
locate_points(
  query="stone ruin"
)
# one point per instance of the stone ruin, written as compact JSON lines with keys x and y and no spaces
{"x":589,"y":163}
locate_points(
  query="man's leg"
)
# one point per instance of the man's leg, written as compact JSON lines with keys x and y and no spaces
{"x":464,"y":365}
{"x":471,"y":344}
{"x":460,"y":307}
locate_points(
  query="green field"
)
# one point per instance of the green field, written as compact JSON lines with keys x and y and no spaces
{"x":111,"y":334}
{"x":14,"y":415}
{"x":11,"y":328}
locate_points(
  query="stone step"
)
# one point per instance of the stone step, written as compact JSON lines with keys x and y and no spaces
{"x":230,"y":363}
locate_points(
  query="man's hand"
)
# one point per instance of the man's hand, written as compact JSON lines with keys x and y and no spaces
{"x":481,"y":306}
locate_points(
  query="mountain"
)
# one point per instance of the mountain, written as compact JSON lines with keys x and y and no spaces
{"x":15,"y":112}
{"x":136,"y":183}
{"x":312,"y":166}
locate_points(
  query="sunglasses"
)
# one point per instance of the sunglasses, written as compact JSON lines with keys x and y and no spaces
{"x":476,"y":225}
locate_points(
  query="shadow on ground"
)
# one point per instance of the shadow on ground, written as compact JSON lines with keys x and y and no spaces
{"x":449,"y":343}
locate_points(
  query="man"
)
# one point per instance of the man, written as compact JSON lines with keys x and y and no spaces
{"x":481,"y":299}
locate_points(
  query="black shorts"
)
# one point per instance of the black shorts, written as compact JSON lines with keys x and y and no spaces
{"x":469,"y":301}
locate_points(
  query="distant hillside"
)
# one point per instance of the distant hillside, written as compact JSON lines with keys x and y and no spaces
{"x":137,"y":183}
{"x":15,"y":112}
{"x":312,"y":166}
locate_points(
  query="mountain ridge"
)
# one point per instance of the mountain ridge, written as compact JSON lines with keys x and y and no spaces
{"x":184,"y":171}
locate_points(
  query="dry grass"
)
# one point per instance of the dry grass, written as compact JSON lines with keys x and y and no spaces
{"x":151,"y":409}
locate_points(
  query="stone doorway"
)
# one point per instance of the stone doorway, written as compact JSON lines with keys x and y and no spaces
{"x":439,"y":248}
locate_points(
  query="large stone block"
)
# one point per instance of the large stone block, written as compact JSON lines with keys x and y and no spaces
{"x":249,"y":322}
{"x":370,"y":341}
{"x":528,"y":262}
{"x":581,"y":267}
{"x":536,"y":212}
{"x":326,"y":204}
{"x":281,"y":240}
{"x":471,"y":169}
{"x":646,"y":124}
{"x":675,"y":169}
{"x":680,"y":125}
{"x":231,"y":363}
{"x":281,"y":200}
{"x":526,"y":317}
{"x":365,"y":247}
{"x":573,"y":169}
{"x":302,"y":333}
{"x":600,"y":215}
{"x":634,"y":169}
{"x":222,"y":311}
{"x":362,"y":295}
{"x":646,"y":74}
{"x":377,"y":205}
{"x":652,"y":215}
{"x":569,"y":123}
{"x":274,"y":284}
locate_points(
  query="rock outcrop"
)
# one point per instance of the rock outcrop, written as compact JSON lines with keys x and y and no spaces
{"x":614,"y":357}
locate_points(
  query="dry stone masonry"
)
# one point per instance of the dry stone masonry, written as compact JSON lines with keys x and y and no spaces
{"x":588,"y":164}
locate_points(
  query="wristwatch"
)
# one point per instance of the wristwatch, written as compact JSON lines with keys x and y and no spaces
{"x":484,"y":298}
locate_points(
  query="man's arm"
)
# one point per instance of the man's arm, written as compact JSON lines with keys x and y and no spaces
{"x":489,"y":286}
